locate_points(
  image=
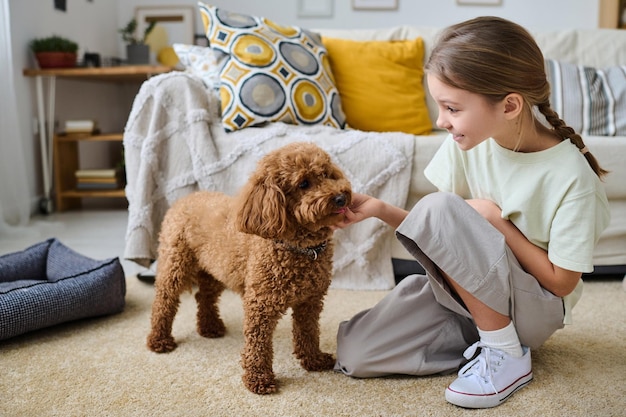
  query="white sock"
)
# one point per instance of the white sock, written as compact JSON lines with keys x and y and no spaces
{"x":504,"y":339}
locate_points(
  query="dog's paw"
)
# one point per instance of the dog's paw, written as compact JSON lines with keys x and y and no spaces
{"x":161,"y":344}
{"x":321,"y":362}
{"x":212,"y":330}
{"x":260,"y":383}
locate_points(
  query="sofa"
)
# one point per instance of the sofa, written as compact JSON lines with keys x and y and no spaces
{"x":183,"y":135}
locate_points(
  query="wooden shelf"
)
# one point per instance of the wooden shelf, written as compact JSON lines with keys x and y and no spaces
{"x":65,"y":146}
{"x":66,"y":164}
{"x":93,"y":193}
{"x":103,"y":137}
{"x":115,"y":74}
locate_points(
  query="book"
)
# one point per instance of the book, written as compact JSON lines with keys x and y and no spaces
{"x":97,"y":173}
{"x":80,"y":126}
{"x":98,"y":180}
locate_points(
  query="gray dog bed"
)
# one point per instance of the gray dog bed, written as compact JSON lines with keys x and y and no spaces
{"x":49,"y":283}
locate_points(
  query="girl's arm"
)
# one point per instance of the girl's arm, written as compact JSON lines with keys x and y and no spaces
{"x":364,"y":206}
{"x":533,"y":259}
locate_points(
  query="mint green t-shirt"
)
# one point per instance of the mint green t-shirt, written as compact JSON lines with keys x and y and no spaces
{"x":553,"y":196}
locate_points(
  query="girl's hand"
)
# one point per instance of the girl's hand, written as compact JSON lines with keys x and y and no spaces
{"x":357,"y":211}
{"x":532,"y":258}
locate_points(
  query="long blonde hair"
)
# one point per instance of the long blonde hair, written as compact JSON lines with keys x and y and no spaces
{"x":495,"y":57}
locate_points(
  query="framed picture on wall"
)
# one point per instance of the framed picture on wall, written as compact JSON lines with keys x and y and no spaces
{"x":174,"y":24}
{"x":374,"y":4}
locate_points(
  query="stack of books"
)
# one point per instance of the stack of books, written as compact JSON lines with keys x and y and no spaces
{"x":99,"y":179}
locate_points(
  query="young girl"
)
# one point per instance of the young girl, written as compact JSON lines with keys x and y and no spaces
{"x":504,"y":242}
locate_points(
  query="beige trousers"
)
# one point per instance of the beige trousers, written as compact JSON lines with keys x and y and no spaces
{"x":421,"y":327}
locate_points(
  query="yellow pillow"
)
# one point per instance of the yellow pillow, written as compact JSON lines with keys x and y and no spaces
{"x":381,"y":84}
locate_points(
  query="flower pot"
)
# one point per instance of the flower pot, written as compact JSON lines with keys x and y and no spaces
{"x":138,"y":54}
{"x":56,"y":59}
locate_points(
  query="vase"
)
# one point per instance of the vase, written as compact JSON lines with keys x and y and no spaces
{"x":138,"y":54}
{"x":56,"y":59}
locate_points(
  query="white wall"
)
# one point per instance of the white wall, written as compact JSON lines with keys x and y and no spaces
{"x":94,"y":24}
{"x":537,"y":14}
{"x":91,"y":24}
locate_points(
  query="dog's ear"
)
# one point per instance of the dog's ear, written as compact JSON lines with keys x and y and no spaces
{"x":262,"y":210}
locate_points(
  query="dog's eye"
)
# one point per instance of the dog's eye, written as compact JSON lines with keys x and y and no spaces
{"x":304,"y":184}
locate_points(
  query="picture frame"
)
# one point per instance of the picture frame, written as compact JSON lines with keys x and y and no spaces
{"x":479,"y":2}
{"x":374,"y":4}
{"x":315,"y":8}
{"x":178,"y":21}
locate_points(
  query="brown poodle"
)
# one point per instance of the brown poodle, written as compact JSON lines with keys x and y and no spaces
{"x":272,"y":244}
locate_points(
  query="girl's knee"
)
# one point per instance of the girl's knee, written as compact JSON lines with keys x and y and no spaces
{"x":440,"y":201}
{"x":438,"y":209}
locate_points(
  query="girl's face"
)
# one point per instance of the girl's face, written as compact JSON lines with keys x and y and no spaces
{"x":469,"y":117}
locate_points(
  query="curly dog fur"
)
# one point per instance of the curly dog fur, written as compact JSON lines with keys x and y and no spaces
{"x":272,"y":244}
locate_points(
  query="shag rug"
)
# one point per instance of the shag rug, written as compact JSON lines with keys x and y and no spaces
{"x":101,"y":367}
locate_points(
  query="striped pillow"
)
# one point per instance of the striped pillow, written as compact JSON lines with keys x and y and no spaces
{"x":591,"y":101}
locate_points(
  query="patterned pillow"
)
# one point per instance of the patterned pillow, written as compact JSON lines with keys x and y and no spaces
{"x":592,"y":101}
{"x":204,"y":62}
{"x":272,"y":73}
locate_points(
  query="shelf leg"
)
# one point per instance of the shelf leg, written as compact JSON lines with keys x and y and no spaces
{"x":43,"y":140}
{"x":51,"y":121}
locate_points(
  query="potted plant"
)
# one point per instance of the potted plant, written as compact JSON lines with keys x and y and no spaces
{"x":137,"y":52}
{"x":54,"y":52}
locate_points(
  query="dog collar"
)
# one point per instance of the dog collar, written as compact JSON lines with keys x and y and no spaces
{"x":312,"y":252}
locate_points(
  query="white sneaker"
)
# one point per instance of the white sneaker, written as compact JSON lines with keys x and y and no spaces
{"x":489,"y":379}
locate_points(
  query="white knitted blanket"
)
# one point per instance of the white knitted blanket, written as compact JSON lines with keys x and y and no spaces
{"x":175,"y":144}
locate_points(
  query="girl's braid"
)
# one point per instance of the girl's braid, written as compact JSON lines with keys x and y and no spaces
{"x":566,"y":132}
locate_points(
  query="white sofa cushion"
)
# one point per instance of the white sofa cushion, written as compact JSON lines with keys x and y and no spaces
{"x":202,"y":61}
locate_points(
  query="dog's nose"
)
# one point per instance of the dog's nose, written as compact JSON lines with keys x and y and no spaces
{"x":340,"y":200}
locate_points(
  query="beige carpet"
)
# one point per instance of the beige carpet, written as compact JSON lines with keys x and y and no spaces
{"x":101,"y":367}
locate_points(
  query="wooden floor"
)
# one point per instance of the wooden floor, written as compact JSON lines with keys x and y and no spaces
{"x":99,"y":234}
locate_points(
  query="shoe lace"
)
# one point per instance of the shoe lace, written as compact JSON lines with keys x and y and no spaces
{"x":483,"y":365}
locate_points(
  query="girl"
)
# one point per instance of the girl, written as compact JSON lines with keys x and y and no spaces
{"x":504,"y":242}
